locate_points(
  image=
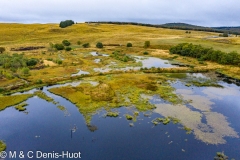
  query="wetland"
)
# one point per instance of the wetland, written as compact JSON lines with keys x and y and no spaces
{"x":117,"y":102}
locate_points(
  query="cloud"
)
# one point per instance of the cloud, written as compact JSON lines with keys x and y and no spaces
{"x":205,"y":12}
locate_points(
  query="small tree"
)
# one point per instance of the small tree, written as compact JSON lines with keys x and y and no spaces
{"x":129,"y":44}
{"x":59,"y":46}
{"x":2,"y":49}
{"x":145,"y":53}
{"x":147,"y":44}
{"x":68,"y":48}
{"x":99,"y":45}
{"x":32,"y":62}
{"x":66,"y":43}
{"x":64,"y":24}
{"x":225,"y":34}
{"x":86,"y":45}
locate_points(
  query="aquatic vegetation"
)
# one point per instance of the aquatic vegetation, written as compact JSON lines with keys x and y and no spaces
{"x":128,"y":117}
{"x":213,"y":132}
{"x":165,"y":121}
{"x":220,"y":156}
{"x":112,"y":114}
{"x":189,"y":130}
{"x":42,"y":95}
{"x":115,"y":91}
{"x":62,"y":108}
{"x":7,"y":101}
{"x":3,"y":146}
{"x":21,"y":107}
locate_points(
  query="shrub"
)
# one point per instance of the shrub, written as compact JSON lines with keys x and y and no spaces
{"x":59,"y":46}
{"x":145,"y":53}
{"x":64,"y":24}
{"x":25,"y":70}
{"x":78,"y":42}
{"x":59,"y":61}
{"x":66,"y":43}
{"x":147,"y":44}
{"x":32,"y":62}
{"x":129,"y":44}
{"x":68,"y":48}
{"x":39,"y":81}
{"x":99,"y":45}
{"x":2,"y":49}
{"x":86,"y":45}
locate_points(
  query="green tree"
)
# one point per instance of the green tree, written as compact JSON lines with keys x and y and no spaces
{"x":64,"y":24}
{"x":68,"y":48}
{"x":147,"y":44}
{"x":66,"y":43}
{"x":59,"y":46}
{"x":99,"y":45}
{"x":129,"y":44}
{"x":2,"y":49}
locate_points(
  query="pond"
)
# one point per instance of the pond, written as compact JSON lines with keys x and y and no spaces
{"x":46,"y":127}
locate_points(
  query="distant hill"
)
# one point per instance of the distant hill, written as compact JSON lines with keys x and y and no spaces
{"x":183,"y":26}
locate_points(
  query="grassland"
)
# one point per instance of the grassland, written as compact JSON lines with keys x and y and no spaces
{"x":24,"y":35}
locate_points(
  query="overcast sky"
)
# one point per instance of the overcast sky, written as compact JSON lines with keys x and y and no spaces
{"x":198,"y":12}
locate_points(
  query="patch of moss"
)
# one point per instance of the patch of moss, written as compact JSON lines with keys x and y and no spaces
{"x":21,"y":107}
{"x":112,"y":114}
{"x":3,"y":146}
{"x":128,"y":117}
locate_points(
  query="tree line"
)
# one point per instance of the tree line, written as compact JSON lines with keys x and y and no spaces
{"x":180,"y":26}
{"x":202,"y":54}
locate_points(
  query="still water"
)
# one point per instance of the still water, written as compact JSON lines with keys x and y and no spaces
{"x":48,"y":129}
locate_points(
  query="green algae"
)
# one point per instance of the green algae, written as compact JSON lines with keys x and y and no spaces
{"x":62,"y":108}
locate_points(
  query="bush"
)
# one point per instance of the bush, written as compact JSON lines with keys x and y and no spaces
{"x":78,"y":42}
{"x":147,"y":44}
{"x":145,"y":53}
{"x":68,"y":48}
{"x":64,"y":24}
{"x":39,"y":81}
{"x":99,"y":45}
{"x":129,"y":44}
{"x":2,"y":49}
{"x":25,"y":70}
{"x":59,"y":61}
{"x":32,"y":62}
{"x":66,"y":43}
{"x":59,"y":46}
{"x":86,"y":45}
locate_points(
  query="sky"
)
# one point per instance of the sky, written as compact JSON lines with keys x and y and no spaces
{"x":198,"y":12}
